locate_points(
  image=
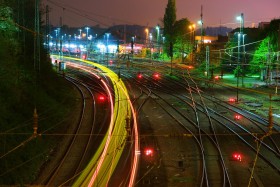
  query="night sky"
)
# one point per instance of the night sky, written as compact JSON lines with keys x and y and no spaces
{"x":150,"y":12}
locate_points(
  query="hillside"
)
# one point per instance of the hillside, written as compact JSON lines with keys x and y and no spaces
{"x":21,"y":90}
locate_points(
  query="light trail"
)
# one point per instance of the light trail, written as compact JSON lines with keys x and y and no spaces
{"x":90,"y":175}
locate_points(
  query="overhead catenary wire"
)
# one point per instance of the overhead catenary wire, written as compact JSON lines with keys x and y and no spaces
{"x":85,"y":14}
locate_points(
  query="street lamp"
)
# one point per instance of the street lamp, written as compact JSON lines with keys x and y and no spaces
{"x":150,"y":44}
{"x":241,"y":19}
{"x":244,"y":59}
{"x":56,"y":40}
{"x":150,"y":37}
{"x":162,"y":47}
{"x":240,"y":34}
{"x":87,"y":28}
{"x":107,"y":49}
{"x":200,"y":22}
{"x":80,"y":32}
{"x":147,"y":35}
{"x":157,"y":28}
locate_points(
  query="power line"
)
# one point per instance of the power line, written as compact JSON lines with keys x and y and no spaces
{"x":87,"y":16}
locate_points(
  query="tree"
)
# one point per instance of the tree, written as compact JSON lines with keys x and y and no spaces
{"x":266,"y":49}
{"x":7,"y":26}
{"x":182,"y":37}
{"x":169,"y":21}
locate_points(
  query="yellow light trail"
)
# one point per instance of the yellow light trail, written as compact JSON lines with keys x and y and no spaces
{"x":109,"y":152}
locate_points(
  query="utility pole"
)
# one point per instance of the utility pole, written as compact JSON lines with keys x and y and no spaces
{"x":277,"y":65}
{"x":207,"y":62}
{"x":240,"y":35}
{"x":201,"y":30}
{"x":171,"y":55}
{"x":47,"y":28}
{"x":244,"y":59}
{"x":268,"y":66}
{"x":124,"y":34}
{"x":60,"y":39}
{"x":36,"y":62}
{"x":238,"y":69}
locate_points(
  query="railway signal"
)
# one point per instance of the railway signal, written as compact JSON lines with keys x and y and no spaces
{"x":237,"y":117}
{"x":139,"y":75}
{"x":101,"y":98}
{"x":156,"y":75}
{"x":237,"y":156}
{"x":148,"y":152}
{"x":231,"y":100}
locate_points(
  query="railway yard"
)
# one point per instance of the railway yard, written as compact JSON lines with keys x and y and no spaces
{"x":190,"y":131}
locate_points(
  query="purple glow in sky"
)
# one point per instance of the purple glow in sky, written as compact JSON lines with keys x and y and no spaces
{"x":150,"y":12}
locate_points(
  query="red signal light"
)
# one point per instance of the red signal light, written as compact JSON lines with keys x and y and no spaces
{"x":156,"y":75}
{"x":148,"y":152}
{"x":217,"y":77}
{"x":111,"y":62}
{"x":139,"y":75}
{"x":231,"y":100}
{"x":101,"y":98}
{"x":237,"y":117}
{"x":237,"y":156}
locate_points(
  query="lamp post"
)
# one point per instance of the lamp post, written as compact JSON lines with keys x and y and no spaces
{"x":244,"y":59}
{"x":237,"y":75}
{"x":147,"y":36}
{"x":80,"y":33}
{"x":157,"y":28}
{"x":107,"y":49}
{"x":56,"y":40}
{"x":240,"y":34}
{"x":162,"y":47}
{"x":87,"y":28}
{"x":200,"y":22}
{"x":150,"y":44}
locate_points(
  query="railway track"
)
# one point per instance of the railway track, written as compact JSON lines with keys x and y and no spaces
{"x":81,"y":140}
{"x":199,"y":135}
{"x":243,"y":135}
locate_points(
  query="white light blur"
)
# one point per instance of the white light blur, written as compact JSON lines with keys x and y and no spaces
{"x":112,"y":48}
{"x":73,"y":46}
